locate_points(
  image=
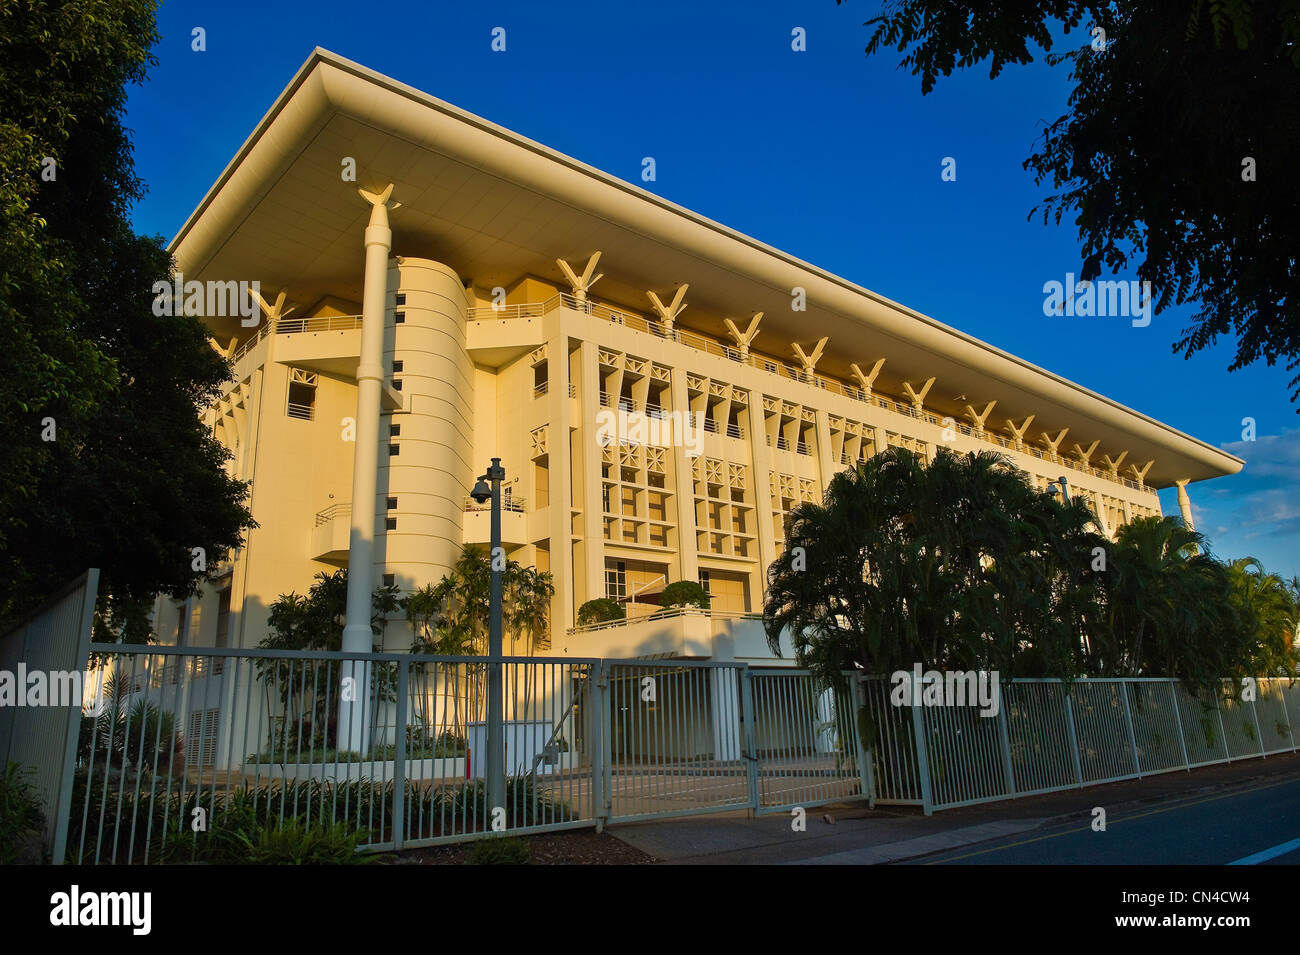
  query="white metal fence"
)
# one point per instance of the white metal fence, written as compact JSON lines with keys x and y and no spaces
{"x":39,"y":738}
{"x":1047,"y":736}
{"x":587,"y":742}
{"x":205,"y":732}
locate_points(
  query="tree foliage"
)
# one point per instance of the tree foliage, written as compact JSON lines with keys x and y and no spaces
{"x":105,"y":462}
{"x":600,"y":610}
{"x":684,"y":593}
{"x":962,"y":565}
{"x":1170,"y":105}
{"x":315,"y":621}
{"x":451,"y":617}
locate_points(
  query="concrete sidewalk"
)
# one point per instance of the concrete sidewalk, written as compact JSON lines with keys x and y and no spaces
{"x":851,"y":834}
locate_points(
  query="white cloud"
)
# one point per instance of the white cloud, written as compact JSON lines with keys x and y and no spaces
{"x":1272,"y":455}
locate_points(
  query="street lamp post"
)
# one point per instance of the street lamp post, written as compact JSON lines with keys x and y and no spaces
{"x":487,"y":488}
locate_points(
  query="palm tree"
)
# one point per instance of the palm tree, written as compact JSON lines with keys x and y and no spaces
{"x":451,"y":618}
{"x":959,"y":563}
{"x":530,"y":602}
{"x":1268,"y":599}
{"x":1169,"y":607}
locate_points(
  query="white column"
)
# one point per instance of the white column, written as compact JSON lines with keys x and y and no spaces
{"x":357,"y":635}
{"x":688,"y":563}
{"x":1185,"y":504}
{"x":826,"y":722}
{"x":724,"y":699}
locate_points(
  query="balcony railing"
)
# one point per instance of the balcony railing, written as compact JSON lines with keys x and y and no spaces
{"x":624,"y":404}
{"x":666,"y":614}
{"x":295,"y":326}
{"x":539,"y":390}
{"x":772,"y":366}
{"x":735,"y":431}
{"x":333,"y":511}
{"x":514,"y":504}
{"x":304,"y":412}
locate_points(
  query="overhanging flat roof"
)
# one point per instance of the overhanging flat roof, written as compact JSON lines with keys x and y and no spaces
{"x":494,"y":205}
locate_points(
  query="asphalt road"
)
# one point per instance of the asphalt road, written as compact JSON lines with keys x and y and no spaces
{"x":1257,"y":824}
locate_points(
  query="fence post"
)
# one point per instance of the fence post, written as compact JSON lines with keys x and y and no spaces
{"x":866,"y":773}
{"x":1254,"y":711}
{"x":750,"y":752}
{"x":1223,"y":735}
{"x":1005,"y":738}
{"x":63,"y":799}
{"x":922,"y":760}
{"x":600,"y":744}
{"x":1128,"y":717}
{"x":1182,"y":740}
{"x":1074,"y":736}
{"x":1286,"y":712}
{"x":399,"y":757}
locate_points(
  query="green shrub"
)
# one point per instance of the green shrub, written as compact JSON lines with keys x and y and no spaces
{"x":465,"y":807}
{"x":144,"y":736}
{"x":500,"y":850}
{"x":684,"y":593}
{"x":600,"y":610}
{"x":22,"y":822}
{"x":119,"y":825}
{"x":290,"y":842}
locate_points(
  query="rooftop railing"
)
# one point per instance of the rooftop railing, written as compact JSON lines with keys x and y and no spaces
{"x":775,"y":367}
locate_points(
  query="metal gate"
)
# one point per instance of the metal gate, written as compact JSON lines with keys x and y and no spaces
{"x":805,"y":741}
{"x":689,"y":737}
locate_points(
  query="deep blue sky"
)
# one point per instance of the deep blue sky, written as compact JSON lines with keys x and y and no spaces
{"x":826,"y":154}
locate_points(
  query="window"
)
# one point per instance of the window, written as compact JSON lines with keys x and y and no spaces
{"x":398,"y":366}
{"x":399,"y":318}
{"x":223,"y":618}
{"x":201,"y":747}
{"x":401,"y":298}
{"x":394,"y":430}
{"x":302,"y":394}
{"x":394,"y":450}
{"x":616,"y":581}
{"x":390,"y":580}
{"x":192,"y":628}
{"x":390,"y":523}
{"x":542,"y":484}
{"x":392,"y":504}
{"x":704,"y":580}
{"x":397,"y":384}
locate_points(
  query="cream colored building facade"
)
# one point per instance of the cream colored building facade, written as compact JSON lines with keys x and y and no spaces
{"x":522,"y":305}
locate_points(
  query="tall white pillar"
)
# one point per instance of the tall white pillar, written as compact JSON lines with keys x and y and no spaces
{"x":1185,"y":504}
{"x":827,"y":725}
{"x":724,"y":707}
{"x":354,"y":692}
